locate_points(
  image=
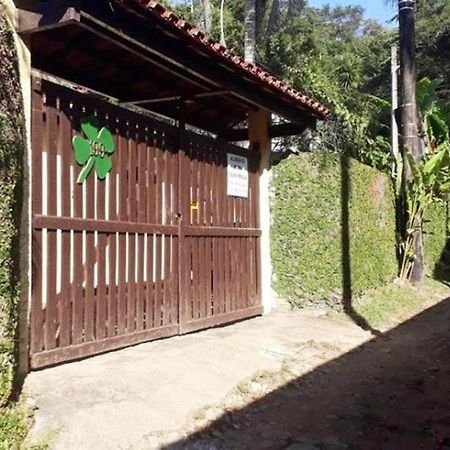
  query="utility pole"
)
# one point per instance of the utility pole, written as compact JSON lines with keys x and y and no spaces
{"x":409,"y":130}
{"x":394,"y":107}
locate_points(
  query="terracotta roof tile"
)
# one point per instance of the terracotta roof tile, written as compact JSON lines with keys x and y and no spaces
{"x":254,"y":71}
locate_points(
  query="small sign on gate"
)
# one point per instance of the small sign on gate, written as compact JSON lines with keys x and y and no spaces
{"x":237,"y":176}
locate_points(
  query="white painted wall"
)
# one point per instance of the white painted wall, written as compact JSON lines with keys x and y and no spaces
{"x":259,"y":122}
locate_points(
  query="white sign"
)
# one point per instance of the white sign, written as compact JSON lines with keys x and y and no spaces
{"x":237,"y":176}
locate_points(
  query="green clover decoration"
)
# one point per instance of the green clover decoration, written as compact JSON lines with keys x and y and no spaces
{"x":94,"y":150}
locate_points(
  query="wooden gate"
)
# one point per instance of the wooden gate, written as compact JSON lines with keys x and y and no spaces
{"x":155,"y":249}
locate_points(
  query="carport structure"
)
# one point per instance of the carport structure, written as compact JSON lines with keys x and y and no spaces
{"x":143,"y":225}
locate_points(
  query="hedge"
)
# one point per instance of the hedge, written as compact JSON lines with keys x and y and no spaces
{"x":312,"y":196}
{"x":435,"y":239}
{"x":12,"y":145}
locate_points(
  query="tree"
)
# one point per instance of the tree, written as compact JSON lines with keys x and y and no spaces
{"x":206,"y":16}
{"x":250,"y":31}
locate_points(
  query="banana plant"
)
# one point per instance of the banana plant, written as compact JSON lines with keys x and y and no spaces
{"x":430,"y":176}
{"x":429,"y":183}
{"x":435,"y":122}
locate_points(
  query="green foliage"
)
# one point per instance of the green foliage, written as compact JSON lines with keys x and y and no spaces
{"x":392,"y":304}
{"x":13,"y":427}
{"x":307,"y":228}
{"x":12,"y":144}
{"x":429,"y":180}
{"x":233,"y":20}
{"x":435,"y":235}
{"x":433,"y":42}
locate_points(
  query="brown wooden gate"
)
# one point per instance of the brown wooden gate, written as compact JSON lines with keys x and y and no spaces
{"x":156,"y":249}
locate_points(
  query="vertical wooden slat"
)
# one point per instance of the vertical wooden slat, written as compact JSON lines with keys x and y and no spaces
{"x":158,"y":282}
{"x":174,"y":239}
{"x":167,"y":313}
{"x":151,"y":218}
{"x":141,"y":201}
{"x":132,"y":217}
{"x":65,"y":152}
{"x":209,"y":277}
{"x":202,"y":276}
{"x":101,"y":299}
{"x":112,"y":238}
{"x":166,"y":216}
{"x":37,"y":317}
{"x":159,"y":286}
{"x":89,"y":274}
{"x":122,"y":238}
{"x":77,"y":293}
{"x":184,"y":264}
{"x":50,"y":146}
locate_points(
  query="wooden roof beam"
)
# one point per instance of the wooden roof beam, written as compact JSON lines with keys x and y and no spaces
{"x":175,"y":98}
{"x":277,"y":130}
{"x":197,"y":68}
{"x":47,"y":15}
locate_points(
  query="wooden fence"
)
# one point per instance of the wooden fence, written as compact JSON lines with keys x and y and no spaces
{"x":155,"y":249}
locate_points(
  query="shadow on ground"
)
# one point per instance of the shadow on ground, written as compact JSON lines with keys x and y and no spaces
{"x":390,"y":393}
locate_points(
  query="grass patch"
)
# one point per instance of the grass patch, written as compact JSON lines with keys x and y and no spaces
{"x":389,"y":305}
{"x":14,"y":423}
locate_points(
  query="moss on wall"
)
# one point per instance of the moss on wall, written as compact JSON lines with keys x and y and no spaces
{"x":12,"y":145}
{"x":333,"y":228}
{"x":435,"y":239}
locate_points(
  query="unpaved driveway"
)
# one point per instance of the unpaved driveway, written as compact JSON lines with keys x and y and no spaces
{"x":392,"y":393}
{"x":291,"y":380}
{"x":137,"y":397}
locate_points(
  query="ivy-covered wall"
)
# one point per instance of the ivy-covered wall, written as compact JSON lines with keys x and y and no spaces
{"x":12,"y":146}
{"x":333,"y":228}
{"x":437,"y":250}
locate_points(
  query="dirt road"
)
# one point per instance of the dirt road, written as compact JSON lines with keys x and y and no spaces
{"x":392,"y":393}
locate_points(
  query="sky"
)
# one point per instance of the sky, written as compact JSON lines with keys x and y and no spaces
{"x":375,"y":9}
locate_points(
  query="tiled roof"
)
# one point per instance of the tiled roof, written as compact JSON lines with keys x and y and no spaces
{"x":222,"y":52}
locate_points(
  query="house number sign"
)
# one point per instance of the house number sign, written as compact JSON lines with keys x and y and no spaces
{"x":94,"y":149}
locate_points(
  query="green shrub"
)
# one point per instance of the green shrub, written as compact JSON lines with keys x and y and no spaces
{"x":13,"y":427}
{"x":435,"y":236}
{"x":313,"y":195}
{"x":12,"y":145}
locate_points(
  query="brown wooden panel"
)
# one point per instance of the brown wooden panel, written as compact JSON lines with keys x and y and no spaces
{"x":51,"y":300}
{"x":105,"y":226}
{"x":233,"y":316}
{"x":137,"y":261}
{"x":37,"y":316}
{"x":64,"y":153}
{"x":83,"y":350}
